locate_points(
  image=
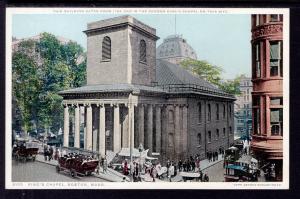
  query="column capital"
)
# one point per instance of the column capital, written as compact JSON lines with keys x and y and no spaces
{"x":65,"y":105}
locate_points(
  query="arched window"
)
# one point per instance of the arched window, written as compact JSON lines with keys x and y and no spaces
{"x":143,"y":51}
{"x":171,"y":117}
{"x":106,"y":49}
{"x":199,"y":138}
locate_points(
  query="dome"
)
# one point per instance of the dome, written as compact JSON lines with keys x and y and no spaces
{"x":175,"y":47}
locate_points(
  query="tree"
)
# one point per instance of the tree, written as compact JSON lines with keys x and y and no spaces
{"x":231,"y":86}
{"x":203,"y":69}
{"x":212,"y":74}
{"x":41,"y":69}
{"x":25,"y":87}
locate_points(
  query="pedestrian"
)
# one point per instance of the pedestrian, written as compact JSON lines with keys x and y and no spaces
{"x":50,"y":153}
{"x":105,"y":165}
{"x":45,"y":152}
{"x":201,"y":176}
{"x":180,"y":165}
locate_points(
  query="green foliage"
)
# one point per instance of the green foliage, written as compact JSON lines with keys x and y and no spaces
{"x":203,"y":69}
{"x":231,"y":86}
{"x":212,"y":74}
{"x":40,"y":70}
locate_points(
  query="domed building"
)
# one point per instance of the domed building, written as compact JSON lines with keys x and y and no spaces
{"x":175,"y":49}
{"x":137,"y":95}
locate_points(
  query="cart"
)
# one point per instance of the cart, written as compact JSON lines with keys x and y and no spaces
{"x":77,"y":164}
{"x":24,"y":150}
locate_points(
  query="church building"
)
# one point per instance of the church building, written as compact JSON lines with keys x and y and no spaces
{"x":139,"y":95}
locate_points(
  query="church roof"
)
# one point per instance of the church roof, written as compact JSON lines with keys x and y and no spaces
{"x":169,"y":73}
{"x":100,"y":88}
{"x":175,"y":46}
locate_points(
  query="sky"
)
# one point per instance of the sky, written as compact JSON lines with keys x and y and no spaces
{"x":220,"y":39}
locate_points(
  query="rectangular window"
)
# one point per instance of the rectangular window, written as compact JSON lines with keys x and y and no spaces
{"x":275,"y":58}
{"x":256,"y":100}
{"x":208,"y":112}
{"x":209,"y":136}
{"x":230,"y":130}
{"x":256,"y":118}
{"x":224,"y":132}
{"x":257,"y":60}
{"x":276,"y":121}
{"x":224,"y":111}
{"x":217,"y":111}
{"x":276,"y":101}
{"x":217,"y":134}
{"x":274,"y":18}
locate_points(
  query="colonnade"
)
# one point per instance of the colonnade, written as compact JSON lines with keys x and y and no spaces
{"x":133,"y":124}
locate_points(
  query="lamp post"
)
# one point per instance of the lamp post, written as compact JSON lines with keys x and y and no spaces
{"x":141,"y":148}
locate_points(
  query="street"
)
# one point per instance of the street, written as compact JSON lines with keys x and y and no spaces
{"x":42,"y":172}
{"x":215,"y":172}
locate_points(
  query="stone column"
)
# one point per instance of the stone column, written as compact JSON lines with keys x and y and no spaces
{"x":164,"y":134}
{"x":177,"y":132}
{"x":158,"y":129}
{"x":185,"y":131}
{"x":150,"y":128}
{"x":141,"y":125}
{"x":131,"y":126}
{"x":66,"y":126}
{"x":125,"y":130}
{"x":77,"y":127}
{"x":95,"y":127}
{"x":117,"y":132}
{"x":102,"y":136}
{"x":84,"y":127}
{"x":89,"y":127}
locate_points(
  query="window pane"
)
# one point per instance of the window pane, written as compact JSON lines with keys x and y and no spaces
{"x":106,"y":48}
{"x":274,"y":18}
{"x":276,"y":100}
{"x":143,"y":51}
{"x":274,"y":50}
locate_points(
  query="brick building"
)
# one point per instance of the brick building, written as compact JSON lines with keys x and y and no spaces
{"x":267,"y":95}
{"x":133,"y":98}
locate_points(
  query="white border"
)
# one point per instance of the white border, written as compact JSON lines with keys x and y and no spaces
{"x":128,"y":185}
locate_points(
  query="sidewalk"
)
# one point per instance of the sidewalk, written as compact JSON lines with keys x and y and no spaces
{"x":204,"y":164}
{"x":110,"y":175}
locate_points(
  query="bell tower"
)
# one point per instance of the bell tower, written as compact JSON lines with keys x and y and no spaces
{"x":120,"y":50}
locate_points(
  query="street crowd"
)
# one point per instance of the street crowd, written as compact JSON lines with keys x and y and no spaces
{"x":156,"y":171}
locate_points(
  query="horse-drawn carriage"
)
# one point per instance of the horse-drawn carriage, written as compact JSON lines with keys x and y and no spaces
{"x":77,"y":163}
{"x":24,"y":149}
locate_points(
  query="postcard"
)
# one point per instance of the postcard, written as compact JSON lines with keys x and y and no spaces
{"x":147,"y":98}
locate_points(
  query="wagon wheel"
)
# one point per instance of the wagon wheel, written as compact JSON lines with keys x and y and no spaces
{"x":73,"y":173}
{"x":57,"y":169}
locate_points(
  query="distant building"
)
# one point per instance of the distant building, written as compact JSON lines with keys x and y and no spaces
{"x":134,"y":96}
{"x":267,"y":95}
{"x":243,"y":109}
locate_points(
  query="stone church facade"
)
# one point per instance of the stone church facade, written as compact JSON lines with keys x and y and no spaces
{"x":134,"y":98}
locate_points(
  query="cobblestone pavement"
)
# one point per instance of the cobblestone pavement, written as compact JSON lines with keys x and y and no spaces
{"x":40,"y":172}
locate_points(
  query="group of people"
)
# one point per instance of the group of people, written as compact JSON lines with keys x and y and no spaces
{"x":214,"y":156}
{"x":190,"y":164}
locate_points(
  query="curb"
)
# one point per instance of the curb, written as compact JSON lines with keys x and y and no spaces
{"x":212,"y":165}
